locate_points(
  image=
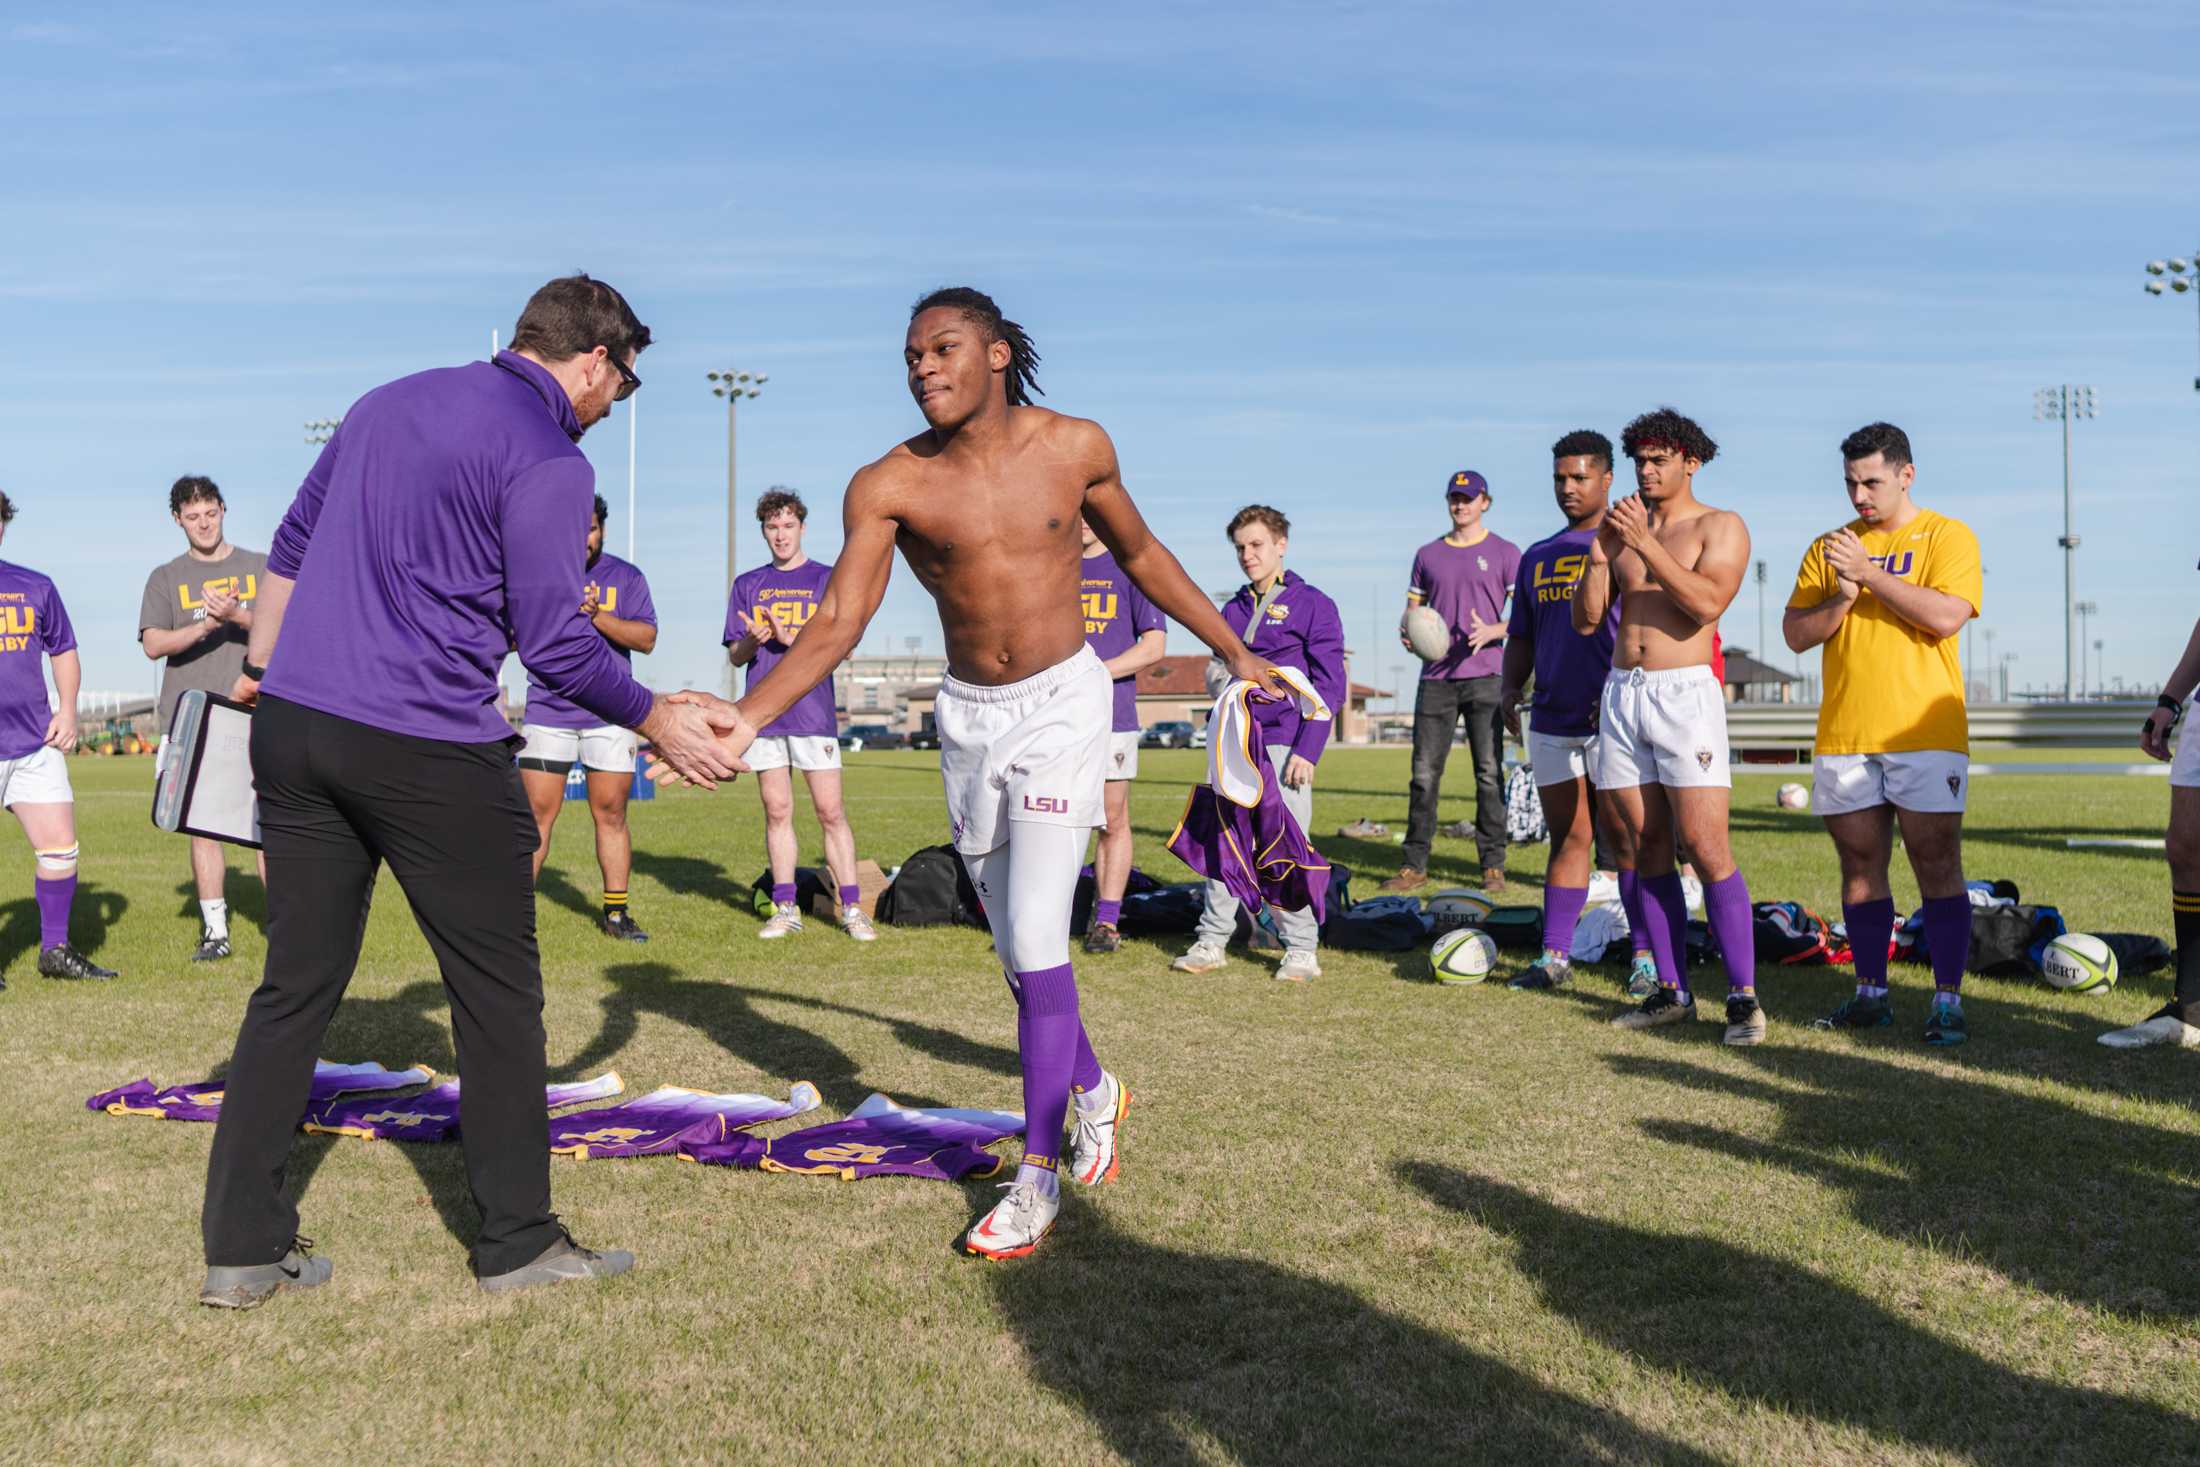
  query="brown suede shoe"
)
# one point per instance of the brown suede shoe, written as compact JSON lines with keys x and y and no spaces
{"x":1493,"y":878}
{"x":1409,"y":878}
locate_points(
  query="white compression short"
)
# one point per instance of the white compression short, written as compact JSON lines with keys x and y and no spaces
{"x":1027,"y":884}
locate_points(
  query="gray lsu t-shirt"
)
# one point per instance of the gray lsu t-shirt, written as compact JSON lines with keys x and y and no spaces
{"x":175,"y":597}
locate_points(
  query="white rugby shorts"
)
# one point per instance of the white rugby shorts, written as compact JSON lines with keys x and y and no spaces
{"x":1034,"y":751}
{"x":606,"y":747}
{"x":1662,"y":727}
{"x":1123,"y":754}
{"x":1561,"y":758}
{"x":2184,"y":763}
{"x":810,"y":753}
{"x":38,"y":778}
{"x":1930,"y":781}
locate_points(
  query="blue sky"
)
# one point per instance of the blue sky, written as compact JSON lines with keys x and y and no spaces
{"x":1312,"y":255}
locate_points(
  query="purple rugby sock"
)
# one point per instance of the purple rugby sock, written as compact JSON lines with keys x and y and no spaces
{"x":1726,"y":908}
{"x":1630,"y":902}
{"x":782,"y":893}
{"x":1561,"y":914}
{"x":1948,"y":936}
{"x":1665,"y":918}
{"x":850,"y":895}
{"x":1871,"y":925}
{"x":1056,"y":1055}
{"x":54,"y":900}
{"x":1106,"y":913}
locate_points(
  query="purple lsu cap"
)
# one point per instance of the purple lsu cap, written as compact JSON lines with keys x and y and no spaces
{"x":1466,"y":482}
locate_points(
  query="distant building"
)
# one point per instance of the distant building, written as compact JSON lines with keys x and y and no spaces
{"x":1751,"y":681}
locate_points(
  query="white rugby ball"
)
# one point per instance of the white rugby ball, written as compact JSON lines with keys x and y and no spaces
{"x":2079,"y":962}
{"x":1427,"y":633}
{"x":1793,"y":796}
{"x":1473,"y":904}
{"x":1464,"y":956}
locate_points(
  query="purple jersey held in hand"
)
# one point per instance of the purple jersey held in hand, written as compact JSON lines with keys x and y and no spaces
{"x":789,"y":598}
{"x":33,"y":627}
{"x":203,"y":1101}
{"x":662,"y":1121}
{"x":1460,"y":583}
{"x":1570,"y":669}
{"x":620,"y":588}
{"x":1117,"y":614}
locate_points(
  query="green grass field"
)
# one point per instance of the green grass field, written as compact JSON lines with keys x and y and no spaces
{"x":1365,"y":1219}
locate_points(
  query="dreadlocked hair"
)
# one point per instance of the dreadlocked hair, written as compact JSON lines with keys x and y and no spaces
{"x":1666,"y":428}
{"x":977,"y":308}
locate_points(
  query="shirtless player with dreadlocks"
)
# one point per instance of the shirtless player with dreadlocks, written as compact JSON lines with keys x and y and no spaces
{"x":984,"y":505}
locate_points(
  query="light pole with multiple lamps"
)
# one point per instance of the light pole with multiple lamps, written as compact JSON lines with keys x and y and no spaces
{"x":733,"y":386}
{"x":2176,"y":274}
{"x":321,"y":430}
{"x":2086,"y":611}
{"x":2064,"y":404}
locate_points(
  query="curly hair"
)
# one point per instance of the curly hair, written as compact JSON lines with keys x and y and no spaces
{"x":1585,"y":443}
{"x":1884,"y":439}
{"x":7,"y":510}
{"x":978,"y":309}
{"x":192,"y":488}
{"x":1260,"y":514}
{"x":777,"y":498}
{"x":1666,"y":428}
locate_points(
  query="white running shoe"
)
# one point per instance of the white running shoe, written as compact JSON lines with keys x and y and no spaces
{"x":1298,"y":966}
{"x":856,"y":925}
{"x":1092,"y":1154}
{"x":1015,"y":1225}
{"x":1603,"y":889}
{"x":1204,"y":957}
{"x":786,"y":921}
{"x":2166,"y":1027}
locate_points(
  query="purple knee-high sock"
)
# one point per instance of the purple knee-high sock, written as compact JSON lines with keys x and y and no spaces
{"x":1948,"y":935}
{"x":851,"y":895}
{"x":782,"y":893}
{"x":1630,"y":902}
{"x":1106,"y":913}
{"x":1665,"y":918}
{"x":1870,"y":925}
{"x":1726,"y":908}
{"x":1056,"y":1055}
{"x":54,"y":900}
{"x":1561,"y":914}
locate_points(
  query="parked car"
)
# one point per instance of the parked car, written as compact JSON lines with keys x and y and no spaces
{"x":1173,"y":733}
{"x":925,"y":738}
{"x":1199,"y":737}
{"x":857,"y":737}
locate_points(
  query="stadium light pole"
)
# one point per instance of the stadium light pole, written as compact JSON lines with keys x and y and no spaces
{"x":1988,"y":634}
{"x":2086,"y":611}
{"x":321,"y":430}
{"x":1761,"y":648}
{"x":2179,"y":275}
{"x":2064,"y":404}
{"x":732,"y":386}
{"x":2005,"y":659}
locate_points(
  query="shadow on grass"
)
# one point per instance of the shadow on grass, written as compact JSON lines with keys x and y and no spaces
{"x":1182,"y":1357}
{"x":247,"y":897}
{"x":1736,"y":1321}
{"x":95,"y":911}
{"x":553,"y":885}
{"x":693,"y":876}
{"x":727,"y":1014}
{"x":2070,"y":1203}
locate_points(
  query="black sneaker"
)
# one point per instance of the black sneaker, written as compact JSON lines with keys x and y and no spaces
{"x":564,"y":1261}
{"x":621,"y":924}
{"x":1858,"y":1012}
{"x":1552,"y":970}
{"x":64,"y":961}
{"x":1745,"y":1020}
{"x":1666,"y":1006}
{"x":211,"y":949}
{"x":1103,"y":937}
{"x":249,"y":1288}
{"x":1946,"y":1028}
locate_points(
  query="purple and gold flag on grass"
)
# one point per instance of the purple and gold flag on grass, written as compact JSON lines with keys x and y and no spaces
{"x":878,"y":1139}
{"x":203,"y":1101}
{"x":433,"y":1114}
{"x":670,"y":1117}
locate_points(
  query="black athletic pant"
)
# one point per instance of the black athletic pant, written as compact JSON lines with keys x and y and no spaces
{"x":1438,"y":706}
{"x":337,"y":799}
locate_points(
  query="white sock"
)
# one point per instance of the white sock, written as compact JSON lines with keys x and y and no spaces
{"x":1050,"y":1184}
{"x":215,"y":914}
{"x":1100,"y":1098}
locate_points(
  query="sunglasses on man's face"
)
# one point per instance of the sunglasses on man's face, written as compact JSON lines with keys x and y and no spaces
{"x":627,"y":380}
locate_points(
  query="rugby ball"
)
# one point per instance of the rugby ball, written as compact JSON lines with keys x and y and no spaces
{"x":1464,"y":956}
{"x":1461,"y":900}
{"x":2079,"y":962}
{"x":1426,"y":633}
{"x":1793,"y":796}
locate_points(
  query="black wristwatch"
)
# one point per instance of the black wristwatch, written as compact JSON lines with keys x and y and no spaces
{"x":254,"y":672}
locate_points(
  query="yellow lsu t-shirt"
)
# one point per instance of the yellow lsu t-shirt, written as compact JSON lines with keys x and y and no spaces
{"x":1894,"y":688}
